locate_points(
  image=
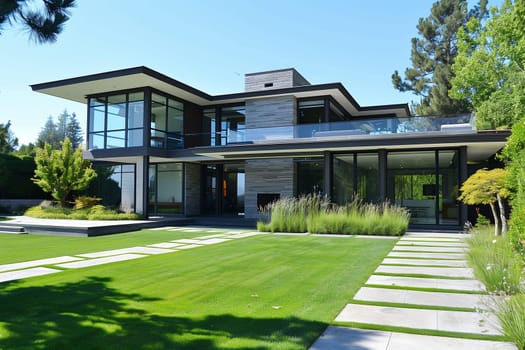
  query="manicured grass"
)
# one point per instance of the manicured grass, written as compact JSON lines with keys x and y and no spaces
{"x":17,"y":248}
{"x":263,"y":292}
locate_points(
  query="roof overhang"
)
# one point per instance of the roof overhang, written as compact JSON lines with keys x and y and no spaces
{"x":79,"y":88}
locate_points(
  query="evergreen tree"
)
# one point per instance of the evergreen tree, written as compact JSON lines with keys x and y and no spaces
{"x":44,"y":24}
{"x":433,"y":54}
{"x":63,"y":171}
{"x":8,"y":141}
{"x":74,"y":131}
{"x":49,"y":135}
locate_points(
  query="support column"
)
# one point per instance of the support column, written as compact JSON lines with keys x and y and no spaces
{"x":142,"y":190}
{"x":463,"y":175}
{"x":382,"y":154}
{"x":327,"y":176}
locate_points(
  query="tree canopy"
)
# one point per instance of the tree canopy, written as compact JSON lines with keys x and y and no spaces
{"x":490,"y":66}
{"x":8,"y":141}
{"x":433,"y":54}
{"x":63,"y":171}
{"x":43,"y":24}
{"x":54,"y":133}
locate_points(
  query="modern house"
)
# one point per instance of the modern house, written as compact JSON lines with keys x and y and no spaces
{"x":174,"y":149}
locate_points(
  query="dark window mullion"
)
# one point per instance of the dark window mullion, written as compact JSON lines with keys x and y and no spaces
{"x":105,"y":121}
{"x":126,"y":114}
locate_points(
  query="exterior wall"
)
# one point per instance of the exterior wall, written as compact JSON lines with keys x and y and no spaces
{"x":192,"y":189}
{"x":267,"y":176}
{"x":271,"y":112}
{"x":278,"y":79}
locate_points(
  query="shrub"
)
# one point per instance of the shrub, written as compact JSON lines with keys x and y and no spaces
{"x":315,"y":214}
{"x":494,"y":263}
{"x":82,"y":202}
{"x":97,"y":212}
{"x":482,"y":221}
{"x":511,"y":314}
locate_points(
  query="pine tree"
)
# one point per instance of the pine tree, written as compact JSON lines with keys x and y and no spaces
{"x":74,"y":131}
{"x":433,"y":54}
{"x":49,"y":135}
{"x":8,"y":141}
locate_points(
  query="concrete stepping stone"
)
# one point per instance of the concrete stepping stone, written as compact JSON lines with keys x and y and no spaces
{"x":429,"y":249}
{"x":424,"y":262}
{"x":438,"y":320}
{"x":20,"y":274}
{"x":165,"y":245}
{"x":342,"y":338}
{"x":218,"y":235}
{"x":101,"y":261}
{"x":244,"y":235}
{"x":436,"y":235}
{"x":187,"y":241}
{"x":429,"y":239}
{"x":132,"y":250}
{"x":435,"y":283}
{"x":40,"y":262}
{"x":462,"y":272}
{"x":424,"y":298}
{"x":165,"y":228}
{"x":214,"y":241}
{"x":432,"y":244}
{"x":397,"y":254}
{"x":189,"y":246}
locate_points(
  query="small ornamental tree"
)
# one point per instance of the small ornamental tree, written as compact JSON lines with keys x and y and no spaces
{"x":60,"y":172}
{"x":488,"y":187}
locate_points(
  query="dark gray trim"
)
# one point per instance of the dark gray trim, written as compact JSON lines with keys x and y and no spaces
{"x":463,"y":175}
{"x":164,"y":78}
{"x":382,"y":158}
{"x":327,"y":176}
{"x":145,"y":186}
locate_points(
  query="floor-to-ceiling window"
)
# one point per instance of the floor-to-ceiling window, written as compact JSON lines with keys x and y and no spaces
{"x":115,"y":185}
{"x":166,"y":119}
{"x":355,"y":174}
{"x":233,"y":124}
{"x":223,"y":189}
{"x":425,"y":182}
{"x":309,"y":175}
{"x":166,"y":188}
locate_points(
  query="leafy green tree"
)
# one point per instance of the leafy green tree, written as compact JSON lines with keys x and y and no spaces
{"x":488,"y":187}
{"x":489,"y":69}
{"x":433,"y":54}
{"x":8,"y":141}
{"x":60,"y":172}
{"x":43,"y":24}
{"x":25,"y":150}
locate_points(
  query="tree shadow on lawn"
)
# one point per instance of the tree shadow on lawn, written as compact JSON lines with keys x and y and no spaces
{"x":91,"y":315}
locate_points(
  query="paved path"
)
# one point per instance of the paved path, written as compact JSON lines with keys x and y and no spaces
{"x":423,"y":284}
{"x":26,"y":269}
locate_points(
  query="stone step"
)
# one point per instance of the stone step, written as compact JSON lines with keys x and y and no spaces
{"x":12,"y":229}
{"x":424,"y":255}
{"x":429,"y":249}
{"x":339,"y":338}
{"x":436,"y":320}
{"x":424,"y":262}
{"x":431,"y":244}
{"x":434,"y":283}
{"x":401,"y":296}
{"x":461,"y":272}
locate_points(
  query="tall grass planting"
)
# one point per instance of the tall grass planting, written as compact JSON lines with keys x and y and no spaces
{"x":511,"y":314}
{"x":494,"y":262}
{"x":314,"y":213}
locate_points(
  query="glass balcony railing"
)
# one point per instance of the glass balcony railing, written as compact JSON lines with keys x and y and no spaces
{"x":459,"y":124}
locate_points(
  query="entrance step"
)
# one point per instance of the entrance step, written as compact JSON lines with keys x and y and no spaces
{"x":12,"y":229}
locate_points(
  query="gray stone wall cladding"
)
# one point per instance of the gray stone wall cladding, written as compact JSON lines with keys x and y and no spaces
{"x":279,"y":79}
{"x":270,"y":112}
{"x":266,"y":176}
{"x":192,"y":189}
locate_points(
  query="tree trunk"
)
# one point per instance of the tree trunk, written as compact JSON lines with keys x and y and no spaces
{"x":496,"y":218}
{"x":502,"y":216}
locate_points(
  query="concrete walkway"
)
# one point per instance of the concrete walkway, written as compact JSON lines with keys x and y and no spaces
{"x":423,"y":284}
{"x":40,"y":267}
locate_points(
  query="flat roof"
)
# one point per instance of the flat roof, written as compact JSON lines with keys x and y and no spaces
{"x":79,"y":88}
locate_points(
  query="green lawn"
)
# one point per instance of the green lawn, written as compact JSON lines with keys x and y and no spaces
{"x":263,"y":292}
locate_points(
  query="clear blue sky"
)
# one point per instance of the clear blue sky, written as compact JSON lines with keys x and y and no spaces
{"x":211,"y":45}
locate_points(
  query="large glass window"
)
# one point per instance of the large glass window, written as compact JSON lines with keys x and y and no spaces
{"x":115,"y":184}
{"x":165,"y":188}
{"x":116,"y":121}
{"x":310,"y":112}
{"x":233,"y":124}
{"x":167,"y":122}
{"x":449,"y":185}
{"x":309,"y":176}
{"x":209,"y":127}
{"x":355,"y":174}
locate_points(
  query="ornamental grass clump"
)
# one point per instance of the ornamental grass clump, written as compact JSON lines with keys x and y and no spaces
{"x":315,"y":214}
{"x":511,"y":314}
{"x":495,"y":263}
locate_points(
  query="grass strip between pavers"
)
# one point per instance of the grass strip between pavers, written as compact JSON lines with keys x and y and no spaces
{"x":422,"y":289}
{"x":412,"y":306}
{"x":473,"y":336}
{"x":420,"y":275}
